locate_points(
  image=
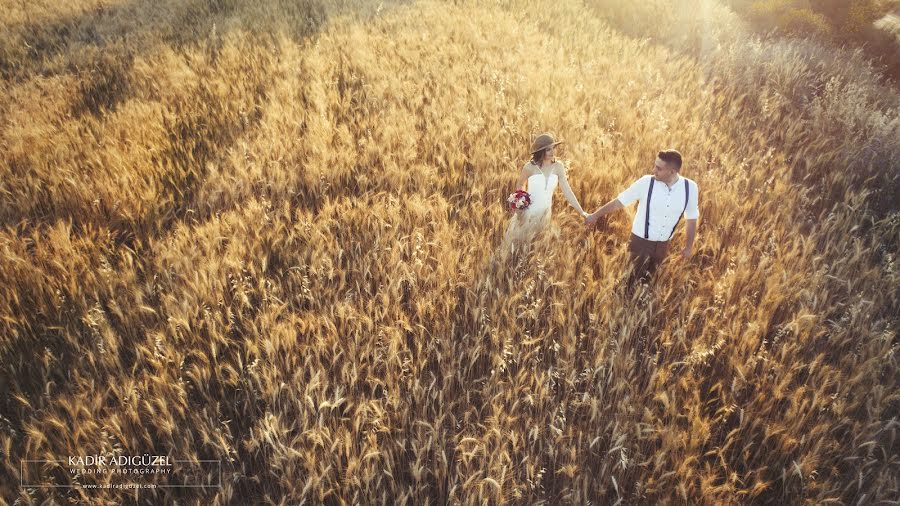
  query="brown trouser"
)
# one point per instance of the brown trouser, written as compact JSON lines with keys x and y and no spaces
{"x":646,"y":255}
{"x":645,"y":258}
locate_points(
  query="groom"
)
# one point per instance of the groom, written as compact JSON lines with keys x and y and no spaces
{"x":663,"y":198}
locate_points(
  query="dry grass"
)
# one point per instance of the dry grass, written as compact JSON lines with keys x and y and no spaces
{"x":267,"y":234}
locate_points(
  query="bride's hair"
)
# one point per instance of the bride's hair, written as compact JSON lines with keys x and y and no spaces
{"x":538,"y":156}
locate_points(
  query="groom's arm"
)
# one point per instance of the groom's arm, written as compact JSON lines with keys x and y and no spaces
{"x":691,"y":214}
{"x":691,"y":234}
{"x":625,"y":198}
{"x":611,"y":206}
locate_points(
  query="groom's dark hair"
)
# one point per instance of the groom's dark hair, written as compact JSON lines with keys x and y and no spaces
{"x":672,"y":157}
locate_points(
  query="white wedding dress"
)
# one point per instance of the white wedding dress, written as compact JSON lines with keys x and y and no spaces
{"x":524,"y":226}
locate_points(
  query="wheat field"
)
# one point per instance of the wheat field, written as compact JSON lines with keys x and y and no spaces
{"x":269,"y":234}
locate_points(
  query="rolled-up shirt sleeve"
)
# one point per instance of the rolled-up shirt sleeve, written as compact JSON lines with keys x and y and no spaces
{"x":634,"y":191}
{"x":693,"y":210}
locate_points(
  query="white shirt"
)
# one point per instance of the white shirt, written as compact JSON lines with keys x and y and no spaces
{"x":666,"y":205}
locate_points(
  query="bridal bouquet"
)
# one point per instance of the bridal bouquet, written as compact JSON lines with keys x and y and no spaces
{"x":519,"y":201}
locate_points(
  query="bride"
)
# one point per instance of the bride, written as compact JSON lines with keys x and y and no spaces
{"x":541,"y":175}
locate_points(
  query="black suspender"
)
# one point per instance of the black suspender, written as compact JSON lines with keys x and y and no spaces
{"x":647,"y":221}
{"x":687,"y":192}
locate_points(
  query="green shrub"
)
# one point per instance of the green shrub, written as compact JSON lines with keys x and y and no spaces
{"x":843,"y":22}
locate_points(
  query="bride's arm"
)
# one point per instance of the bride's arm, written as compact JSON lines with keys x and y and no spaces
{"x":567,"y":190}
{"x":523,"y":178}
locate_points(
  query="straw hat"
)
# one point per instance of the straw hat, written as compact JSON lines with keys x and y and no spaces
{"x":543,"y":141}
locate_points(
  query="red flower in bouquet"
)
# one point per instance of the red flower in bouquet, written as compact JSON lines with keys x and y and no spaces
{"x":519,"y":200}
